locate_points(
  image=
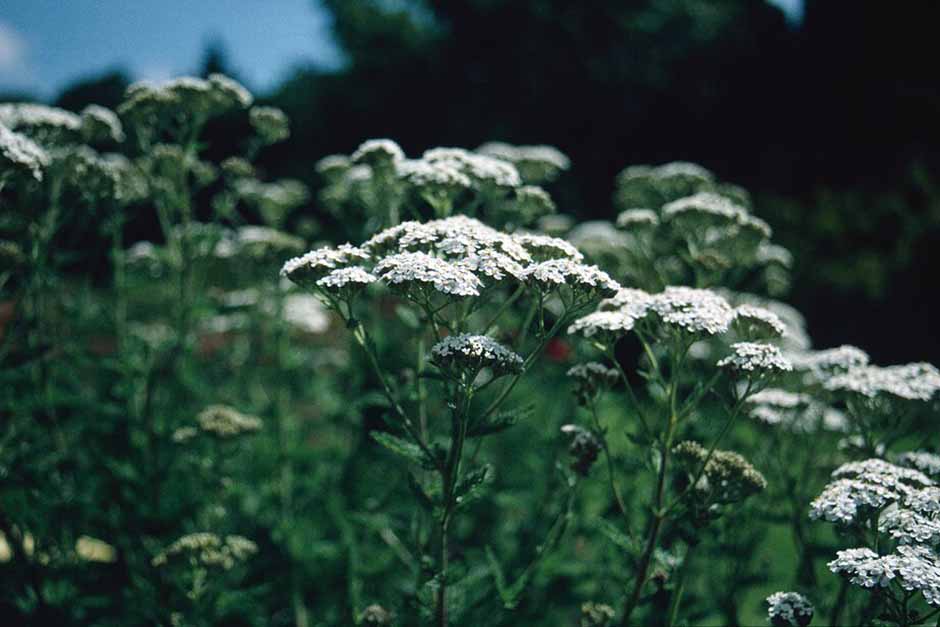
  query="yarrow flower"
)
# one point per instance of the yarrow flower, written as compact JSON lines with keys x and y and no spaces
{"x":316,"y":264}
{"x":583,"y":279}
{"x":453,"y":238}
{"x":693,"y":310}
{"x":727,"y":477}
{"x":482,"y":170}
{"x":789,"y":609}
{"x":17,"y":152}
{"x":469,"y":353}
{"x":633,"y":219}
{"x":909,"y":527}
{"x":591,"y":378}
{"x":224,"y":422}
{"x":822,"y":364}
{"x":436,"y":176}
{"x":101,"y":124}
{"x":270,"y":123}
{"x":924,"y":461}
{"x":584,"y":448}
{"x":913,"y":568}
{"x":596,"y":615}
{"x":609,"y":325}
{"x":754,"y":357}
{"x":544,"y":247}
{"x":758,"y":323}
{"x":862,"y":487}
{"x":378,"y":153}
{"x":45,"y":125}
{"x":345,"y":280}
{"x":411,"y":270}
{"x":209,"y":550}
{"x":915,"y":382}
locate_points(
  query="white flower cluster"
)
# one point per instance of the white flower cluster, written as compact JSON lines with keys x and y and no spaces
{"x":543,"y":247}
{"x":306,"y":313}
{"x":593,"y":371}
{"x":924,"y":461}
{"x":822,"y":364}
{"x":637,"y":218}
{"x":204,"y":97}
{"x":224,"y":422}
{"x":614,"y":323}
{"x":768,"y":253}
{"x":332,"y":164}
{"x":667,"y":171}
{"x":861,"y":487}
{"x":433,"y":174}
{"x":915,"y":382}
{"x":518,"y":154}
{"x":714,"y":210}
{"x":482,"y":170}
{"x":758,"y":323}
{"x":909,"y":527}
{"x":377,"y":152}
{"x":210,"y":550}
{"x":345,"y":278}
{"x":913,"y":568}
{"x":453,"y":238}
{"x":554,"y":273}
{"x":21,"y":153}
{"x":598,"y":237}
{"x":755,"y":357}
{"x":471,"y":353}
{"x":796,"y":412}
{"x":693,"y":310}
{"x":41,"y":123}
{"x":101,"y":124}
{"x":407,"y":270}
{"x":789,"y":609}
{"x":270,"y":123}
{"x":316,"y":264}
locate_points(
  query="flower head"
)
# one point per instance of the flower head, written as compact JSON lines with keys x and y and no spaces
{"x":378,"y":153}
{"x":757,"y":323}
{"x":913,"y":568}
{"x":753,"y":357}
{"x":208,"y":549}
{"x":583,"y":279}
{"x":100,"y":124}
{"x":789,"y":609}
{"x":224,"y":422}
{"x":915,"y":382}
{"x":417,"y":270}
{"x":584,"y":448}
{"x":20,"y":153}
{"x":468,"y":353}
{"x":270,"y":123}
{"x":316,"y":264}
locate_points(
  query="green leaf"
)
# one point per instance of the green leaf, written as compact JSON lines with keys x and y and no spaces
{"x":472,"y":486}
{"x":500,"y":421}
{"x":616,"y":536}
{"x":408,"y":317}
{"x":410,"y":451}
{"x":509,"y":594}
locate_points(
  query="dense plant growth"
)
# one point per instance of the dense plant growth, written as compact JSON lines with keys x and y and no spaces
{"x":465,"y":409}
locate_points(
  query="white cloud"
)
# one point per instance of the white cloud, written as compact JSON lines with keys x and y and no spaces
{"x":12,"y":49}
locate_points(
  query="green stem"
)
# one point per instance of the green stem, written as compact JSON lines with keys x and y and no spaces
{"x":679,"y":589}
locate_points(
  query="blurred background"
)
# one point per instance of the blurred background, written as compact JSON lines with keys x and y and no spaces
{"x":828,"y":112}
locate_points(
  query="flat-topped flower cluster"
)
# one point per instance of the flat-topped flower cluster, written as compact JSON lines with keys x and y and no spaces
{"x":451,"y":257}
{"x":902,"y":506}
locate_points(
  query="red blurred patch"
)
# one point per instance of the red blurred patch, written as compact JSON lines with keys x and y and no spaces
{"x":558,"y":349}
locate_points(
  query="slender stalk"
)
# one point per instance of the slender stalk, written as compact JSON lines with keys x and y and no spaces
{"x":676,"y":599}
{"x":610,"y":469}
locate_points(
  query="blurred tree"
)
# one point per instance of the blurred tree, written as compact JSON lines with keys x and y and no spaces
{"x":106,"y":90}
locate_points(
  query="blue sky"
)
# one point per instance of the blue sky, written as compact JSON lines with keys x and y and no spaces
{"x":45,"y":44}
